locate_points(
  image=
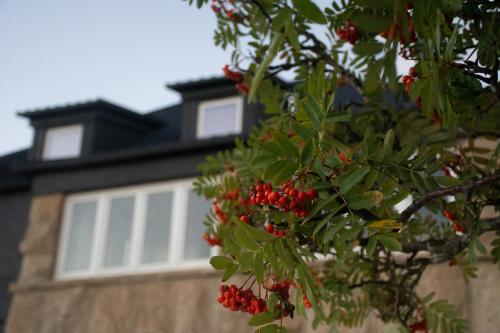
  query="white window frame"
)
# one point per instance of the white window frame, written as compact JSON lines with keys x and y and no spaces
{"x":78,"y":128}
{"x":203,"y":106}
{"x":178,"y":223}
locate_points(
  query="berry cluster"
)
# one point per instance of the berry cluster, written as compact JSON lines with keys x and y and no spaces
{"x":219,"y":213}
{"x":240,"y":300}
{"x":288,"y":198}
{"x":395,"y":31}
{"x":349,"y":32}
{"x":212,"y":240}
{"x":281,"y":288}
{"x":457,"y":227}
{"x":219,"y":7}
{"x":237,"y":77}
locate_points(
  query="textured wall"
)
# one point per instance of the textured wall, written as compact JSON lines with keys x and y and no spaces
{"x":180,"y":302}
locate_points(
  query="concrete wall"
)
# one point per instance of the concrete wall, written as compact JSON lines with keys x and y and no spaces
{"x":180,"y":302}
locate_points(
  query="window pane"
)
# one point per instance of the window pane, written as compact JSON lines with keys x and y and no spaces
{"x":62,"y":142}
{"x":194,"y":246}
{"x":219,"y":120}
{"x":80,"y":236}
{"x":157,"y":231}
{"x":119,"y":231}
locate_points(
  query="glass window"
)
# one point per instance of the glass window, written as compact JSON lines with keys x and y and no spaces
{"x":62,"y":142}
{"x":219,"y":118}
{"x":198,"y":207}
{"x":80,"y":236}
{"x":133,"y":230}
{"x":157,"y":228}
{"x":119,"y":233}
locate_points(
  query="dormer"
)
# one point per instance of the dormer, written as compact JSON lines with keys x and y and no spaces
{"x":80,"y":130}
{"x":213,"y":108}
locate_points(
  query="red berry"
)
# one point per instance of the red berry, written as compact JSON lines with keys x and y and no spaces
{"x":270,"y":228}
{"x":311,"y":194}
{"x":458,"y":228}
{"x":293,"y":192}
{"x":449,"y":214}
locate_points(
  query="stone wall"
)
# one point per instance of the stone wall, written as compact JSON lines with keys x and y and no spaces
{"x":180,"y":302}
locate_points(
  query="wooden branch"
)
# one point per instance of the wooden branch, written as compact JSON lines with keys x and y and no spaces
{"x":468,"y":188}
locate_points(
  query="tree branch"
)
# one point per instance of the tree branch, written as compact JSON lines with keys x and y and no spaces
{"x":263,"y":11}
{"x":468,"y":188}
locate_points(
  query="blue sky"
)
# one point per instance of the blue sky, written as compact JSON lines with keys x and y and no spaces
{"x":55,"y":52}
{"x":62,"y":51}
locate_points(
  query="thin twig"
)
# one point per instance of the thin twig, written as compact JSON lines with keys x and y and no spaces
{"x":415,"y":206}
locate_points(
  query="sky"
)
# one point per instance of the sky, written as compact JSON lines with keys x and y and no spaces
{"x":55,"y":52}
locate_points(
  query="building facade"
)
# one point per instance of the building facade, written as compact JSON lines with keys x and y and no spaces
{"x":109,"y":230}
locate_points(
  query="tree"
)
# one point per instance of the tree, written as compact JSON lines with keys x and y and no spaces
{"x":312,"y":198}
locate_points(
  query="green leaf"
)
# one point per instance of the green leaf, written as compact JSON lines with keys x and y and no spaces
{"x":259,"y":266}
{"x":367,"y":48}
{"x":244,"y":240}
{"x":274,"y":47}
{"x":273,"y":328}
{"x":246,"y":261}
{"x":310,"y":11}
{"x":272,"y":301}
{"x":257,"y":234}
{"x":272,"y":258}
{"x":291,"y":35}
{"x":280,"y":171}
{"x":365,"y":200}
{"x":283,"y":253}
{"x":388,"y":143}
{"x":307,"y":152}
{"x":220,"y":262}
{"x":371,"y":23}
{"x":348,"y":180}
{"x":286,"y":144}
{"x":231,"y":269}
{"x":262,"y":318}
{"x":322,"y":203}
{"x":418,"y":182}
{"x":313,"y":112}
{"x":370,"y":247}
{"x":281,"y":18}
{"x":338,"y":118}
{"x":389,"y":242}
{"x":326,"y":219}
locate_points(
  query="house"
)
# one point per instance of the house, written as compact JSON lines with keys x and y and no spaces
{"x":104,"y":195}
{"x":108,"y":228}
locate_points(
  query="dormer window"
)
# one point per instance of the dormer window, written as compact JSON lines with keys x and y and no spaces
{"x":62,"y":142}
{"x":219,"y":117}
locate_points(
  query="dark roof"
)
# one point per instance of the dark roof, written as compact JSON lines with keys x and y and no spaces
{"x":199,"y":83}
{"x":189,"y":85}
{"x":133,"y":153}
{"x":10,"y":179}
{"x":98,"y":104}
